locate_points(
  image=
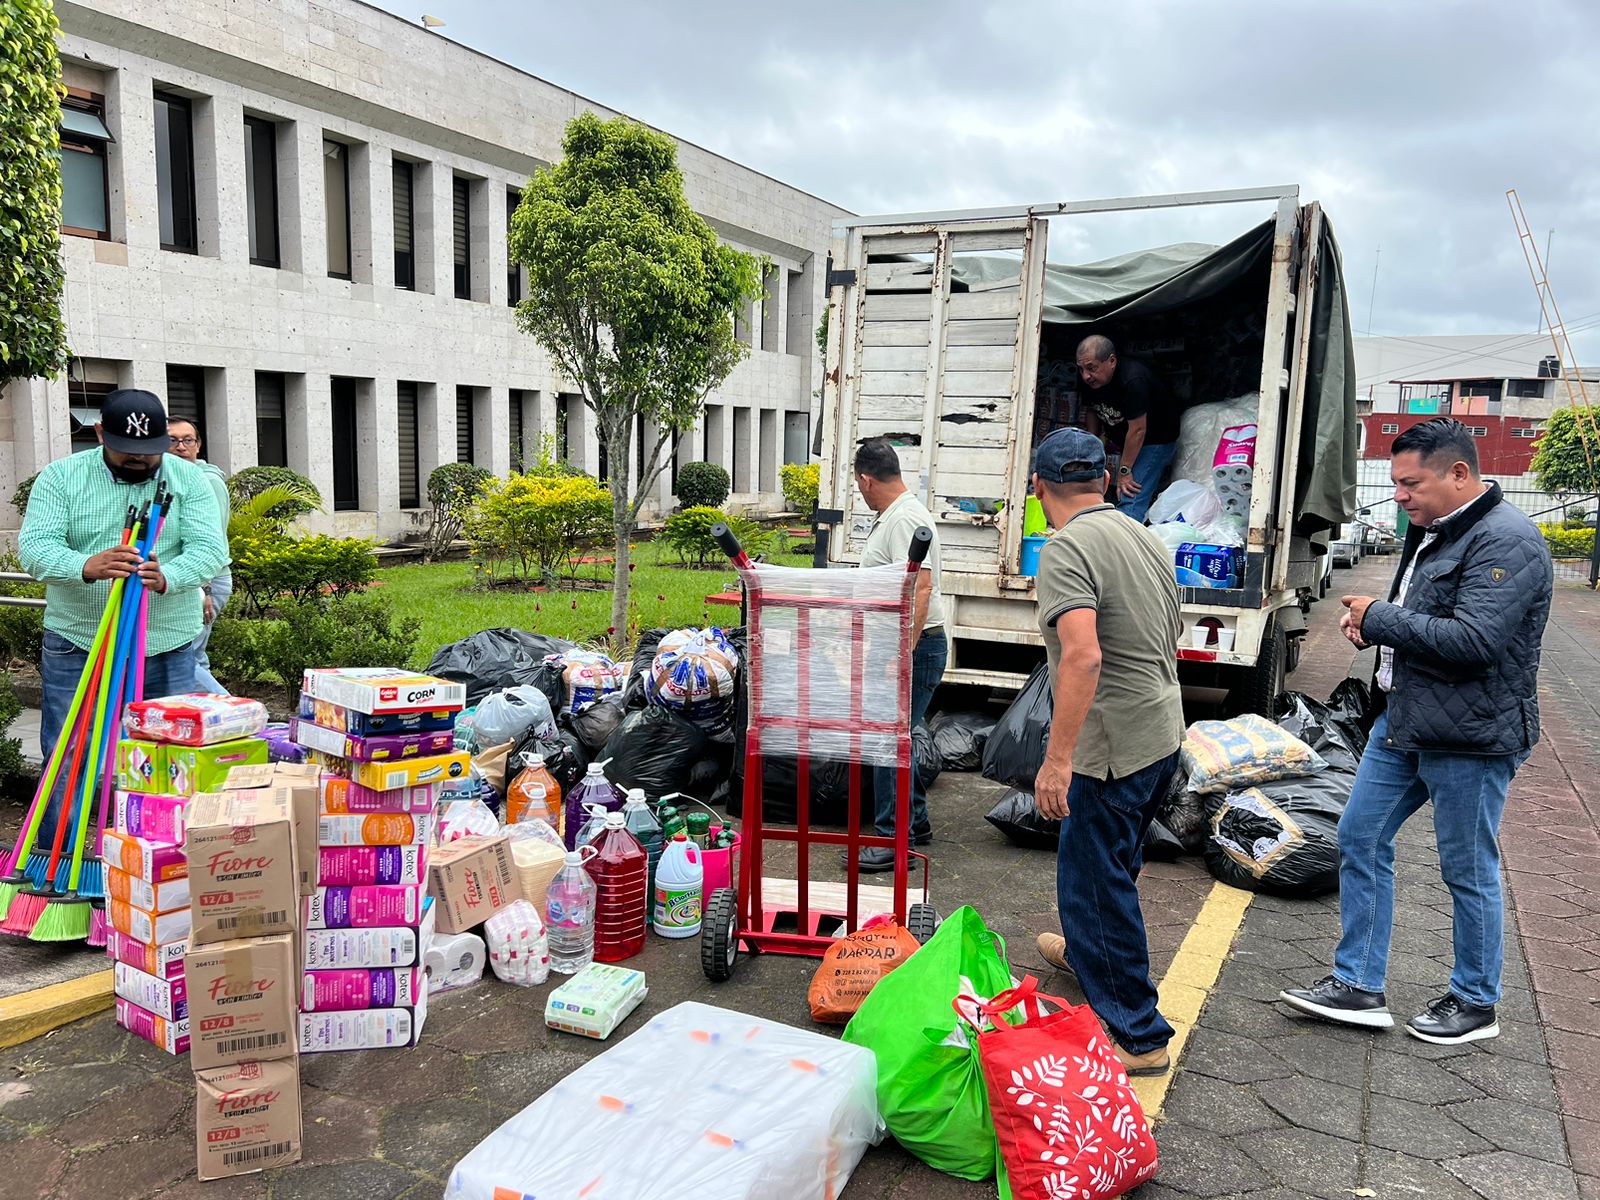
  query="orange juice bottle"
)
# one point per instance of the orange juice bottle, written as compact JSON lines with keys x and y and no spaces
{"x":523,"y":793}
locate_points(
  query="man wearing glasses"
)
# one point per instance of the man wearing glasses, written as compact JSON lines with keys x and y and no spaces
{"x":1127,"y":404}
{"x":185,"y":439}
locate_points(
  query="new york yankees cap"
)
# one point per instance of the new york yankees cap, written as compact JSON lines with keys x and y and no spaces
{"x":132,"y":421}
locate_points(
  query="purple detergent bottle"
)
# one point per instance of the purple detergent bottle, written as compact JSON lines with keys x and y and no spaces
{"x":593,"y":788}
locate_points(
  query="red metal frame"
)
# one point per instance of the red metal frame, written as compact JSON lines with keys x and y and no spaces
{"x":751,"y":930}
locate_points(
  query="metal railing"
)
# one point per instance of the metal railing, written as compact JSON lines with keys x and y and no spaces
{"x":20,"y":601}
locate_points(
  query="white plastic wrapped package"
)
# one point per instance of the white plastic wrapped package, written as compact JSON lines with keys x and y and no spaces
{"x":839,"y":663}
{"x":589,"y":676}
{"x":700,"y":1102}
{"x":509,"y":714}
{"x":465,"y":818}
{"x":519,"y":949}
{"x":1200,"y":431}
{"x":692,"y":674}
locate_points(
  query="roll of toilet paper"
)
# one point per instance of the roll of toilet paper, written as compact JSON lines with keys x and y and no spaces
{"x":454,"y":962}
{"x":1235,"y":473}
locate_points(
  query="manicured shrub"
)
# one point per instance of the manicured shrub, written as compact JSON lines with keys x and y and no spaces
{"x":703,"y":484}
{"x":536,"y":525}
{"x":800,"y":484}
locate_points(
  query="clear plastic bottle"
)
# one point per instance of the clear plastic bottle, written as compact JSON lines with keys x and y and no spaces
{"x":643,"y":825}
{"x":621,"y":872}
{"x":569,"y":915}
{"x":593,"y":826}
{"x":536,"y":788}
{"x":593,"y":788}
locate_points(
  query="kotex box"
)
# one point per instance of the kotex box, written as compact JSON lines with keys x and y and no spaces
{"x":140,"y":767}
{"x":379,"y":946}
{"x":163,"y":960}
{"x":166,"y":998}
{"x":171,"y":1036}
{"x":242,"y":1000}
{"x":350,"y":720}
{"x":140,"y":857}
{"x":143,"y":925}
{"x":364,"y":866}
{"x":167,"y":896}
{"x":346,"y":797}
{"x":350,"y":988}
{"x":303,"y":783}
{"x":363,"y":1029}
{"x":196,"y":719}
{"x":472,"y":879}
{"x":386,"y":747}
{"x":374,"y":829}
{"x":247,"y":1117}
{"x":595,"y":1001}
{"x":382,"y":690}
{"x":242,"y":871}
{"x":363,"y":907}
{"x":194,"y":769}
{"x":154,"y":816}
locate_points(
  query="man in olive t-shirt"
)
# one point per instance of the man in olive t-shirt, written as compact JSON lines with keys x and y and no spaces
{"x":1108,"y":612}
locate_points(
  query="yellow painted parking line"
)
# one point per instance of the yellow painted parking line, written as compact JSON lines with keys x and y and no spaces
{"x":1190,"y":978}
{"x":33,"y":1014}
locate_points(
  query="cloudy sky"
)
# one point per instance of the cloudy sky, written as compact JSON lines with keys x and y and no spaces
{"x":1408,"y":121}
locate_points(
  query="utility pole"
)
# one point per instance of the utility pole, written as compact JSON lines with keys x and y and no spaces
{"x":1372,"y":299}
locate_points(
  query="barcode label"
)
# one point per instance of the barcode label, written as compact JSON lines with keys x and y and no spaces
{"x":261,"y":1041}
{"x":276,"y":917}
{"x":256,"y":1153}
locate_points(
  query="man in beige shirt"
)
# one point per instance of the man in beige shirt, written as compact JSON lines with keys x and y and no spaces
{"x":1108,"y":612}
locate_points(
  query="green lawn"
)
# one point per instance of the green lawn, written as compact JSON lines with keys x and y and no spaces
{"x":441,"y":595}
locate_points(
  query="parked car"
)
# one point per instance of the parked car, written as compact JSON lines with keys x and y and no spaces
{"x":1345,"y":550}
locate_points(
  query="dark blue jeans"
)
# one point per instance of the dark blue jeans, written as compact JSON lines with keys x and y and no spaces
{"x":61,"y":666}
{"x":927,"y":669}
{"x":1097,"y":895}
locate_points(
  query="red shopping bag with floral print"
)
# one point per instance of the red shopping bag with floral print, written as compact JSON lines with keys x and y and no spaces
{"x":1067,"y":1121}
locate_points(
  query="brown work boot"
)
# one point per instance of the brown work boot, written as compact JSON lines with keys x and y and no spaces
{"x":1053,"y":949}
{"x":1156,"y":1062}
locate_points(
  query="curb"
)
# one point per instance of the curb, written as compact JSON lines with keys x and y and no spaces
{"x":44,"y":1010}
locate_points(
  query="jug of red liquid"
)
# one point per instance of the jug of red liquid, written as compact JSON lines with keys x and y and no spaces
{"x":620,"y":869}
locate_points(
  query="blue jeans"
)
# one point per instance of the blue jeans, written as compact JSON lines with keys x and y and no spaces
{"x":927,"y":669}
{"x":1468,"y":793}
{"x":1097,"y":896}
{"x":204,"y":680}
{"x":1151,"y":465}
{"x":61,"y":667}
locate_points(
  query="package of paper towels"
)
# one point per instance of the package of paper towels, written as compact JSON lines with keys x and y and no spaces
{"x":454,"y":962}
{"x":749,"y":1109}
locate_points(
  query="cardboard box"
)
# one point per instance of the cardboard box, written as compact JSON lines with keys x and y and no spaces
{"x":242,"y":1000}
{"x":385,"y":777}
{"x":303,"y":781}
{"x":384,"y":946}
{"x":242,"y":872}
{"x":168,"y":896}
{"x":346,"y":797}
{"x":375,"y":829}
{"x":166,"y":998}
{"x":350,"y":720}
{"x":364,"y":866}
{"x":384,"y":747}
{"x":471,"y":880}
{"x":145,"y":926}
{"x":363,"y":907}
{"x":144,"y":859}
{"x":171,"y":1036}
{"x":382,"y":689}
{"x":247,"y":1117}
{"x":150,"y":815}
{"x":140,"y":767}
{"x":348,"y":989}
{"x":366,"y":1029}
{"x":164,"y":961}
{"x":195,"y":769}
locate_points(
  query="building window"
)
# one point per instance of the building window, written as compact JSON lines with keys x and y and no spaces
{"x":410,"y":475}
{"x":261,"y":189}
{"x":405,"y":266}
{"x":519,"y":450}
{"x":1525,"y":389}
{"x":1390,"y":427}
{"x":603,"y":470}
{"x":1478,"y":430}
{"x":346,"y":479}
{"x":795,"y":314}
{"x":1527,"y":431}
{"x":464,"y":415}
{"x":769,"y":308}
{"x":563,"y":420}
{"x":513,"y":268}
{"x":461,"y":190}
{"x":186,"y":396}
{"x":175,"y":174}
{"x":336,"y":192}
{"x":85,"y":195}
{"x":89,"y":381}
{"x":743,"y":451}
{"x":272,"y":427}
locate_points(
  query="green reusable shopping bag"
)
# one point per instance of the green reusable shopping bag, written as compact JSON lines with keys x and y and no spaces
{"x":930,"y":1087}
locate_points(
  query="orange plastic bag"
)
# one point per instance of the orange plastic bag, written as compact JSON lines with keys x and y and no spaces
{"x":852,"y":966}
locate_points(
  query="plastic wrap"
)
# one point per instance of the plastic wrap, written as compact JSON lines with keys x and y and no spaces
{"x":1219,"y":756}
{"x":844,"y":668}
{"x":1200,"y":432}
{"x":519,"y":950}
{"x":960,"y":738}
{"x":510,"y":714}
{"x":700,"y":1102}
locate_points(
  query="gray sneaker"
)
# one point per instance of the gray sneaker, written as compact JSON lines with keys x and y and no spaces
{"x":1334,"y":1001}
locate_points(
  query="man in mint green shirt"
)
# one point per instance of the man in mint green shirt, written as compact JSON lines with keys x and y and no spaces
{"x":71,"y":540}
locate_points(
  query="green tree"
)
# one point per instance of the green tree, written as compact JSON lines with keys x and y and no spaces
{"x":33,"y":340}
{"x":632,"y":294}
{"x":1567,"y":455}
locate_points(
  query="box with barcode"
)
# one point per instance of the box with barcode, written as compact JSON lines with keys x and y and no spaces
{"x":243,"y":877}
{"x":247,"y":1117}
{"x":241,"y":1000}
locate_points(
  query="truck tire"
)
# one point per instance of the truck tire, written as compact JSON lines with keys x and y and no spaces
{"x":1258,"y":686}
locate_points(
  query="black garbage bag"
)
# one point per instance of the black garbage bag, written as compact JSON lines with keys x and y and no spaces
{"x":564,"y":755}
{"x":1161,"y":844}
{"x":960,"y":737}
{"x":595,"y":723}
{"x":644,"y":656}
{"x":498,"y":658}
{"x":1281,"y":837}
{"x":924,"y":757}
{"x":1016,"y":746}
{"x":1337,"y":729}
{"x":1182,"y":815}
{"x":712,"y":773}
{"x":780,"y":778}
{"x":1016,"y":816}
{"x":655,"y":750}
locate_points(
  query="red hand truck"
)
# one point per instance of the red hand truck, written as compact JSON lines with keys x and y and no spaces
{"x":858,"y":622}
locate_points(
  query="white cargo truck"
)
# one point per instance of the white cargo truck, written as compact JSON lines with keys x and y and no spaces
{"x":951,"y":335}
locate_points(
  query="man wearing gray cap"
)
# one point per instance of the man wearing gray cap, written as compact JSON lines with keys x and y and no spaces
{"x":71,"y":540}
{"x":1108,"y":612}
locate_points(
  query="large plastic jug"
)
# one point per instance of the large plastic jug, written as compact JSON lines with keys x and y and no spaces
{"x":680,"y":884}
{"x":621,"y":871}
{"x":534,"y":787}
{"x":594,"y":826}
{"x":593,"y":788}
{"x":643,"y":825}
{"x":569,"y":915}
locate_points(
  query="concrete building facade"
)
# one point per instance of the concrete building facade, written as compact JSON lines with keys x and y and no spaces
{"x":295,"y":233}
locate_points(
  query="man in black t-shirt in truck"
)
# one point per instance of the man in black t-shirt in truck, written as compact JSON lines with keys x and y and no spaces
{"x":1128,"y":405}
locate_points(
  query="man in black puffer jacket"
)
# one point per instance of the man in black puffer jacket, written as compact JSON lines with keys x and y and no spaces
{"x":1458,"y":665}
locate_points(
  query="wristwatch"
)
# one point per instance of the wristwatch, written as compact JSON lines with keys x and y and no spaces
{"x":1124,"y":470}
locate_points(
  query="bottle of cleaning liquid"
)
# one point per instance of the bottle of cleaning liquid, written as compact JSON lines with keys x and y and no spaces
{"x":644,"y":826}
{"x":525,"y":792}
{"x":593,"y":788}
{"x":621,"y":871}
{"x":680,"y":882}
{"x":569,"y":915}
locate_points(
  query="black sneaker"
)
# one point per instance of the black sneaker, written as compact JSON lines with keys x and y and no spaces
{"x":1335,"y":1001}
{"x":874,"y":859}
{"x":1451,"y":1021}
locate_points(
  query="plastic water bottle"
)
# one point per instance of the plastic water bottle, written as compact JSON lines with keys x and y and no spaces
{"x":569,"y":915}
{"x":594,"y":826}
{"x":593,"y":788}
{"x":644,"y":826}
{"x":680,"y":885}
{"x":621,"y":872}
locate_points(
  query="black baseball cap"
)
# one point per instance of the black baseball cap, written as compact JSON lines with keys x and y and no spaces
{"x":1070,"y":455}
{"x":133,"y":421}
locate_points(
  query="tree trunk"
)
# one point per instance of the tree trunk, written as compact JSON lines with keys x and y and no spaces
{"x":618,"y":451}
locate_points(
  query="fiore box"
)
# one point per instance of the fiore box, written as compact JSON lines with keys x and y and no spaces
{"x":164,"y":960}
{"x":373,"y":747}
{"x":346,"y":797}
{"x":145,"y":859}
{"x":351,"y":988}
{"x":242,"y":1001}
{"x":302,"y":780}
{"x":154,"y":816}
{"x":382,"y":690}
{"x":165,"y":897}
{"x":374,"y":829}
{"x":470,"y":880}
{"x":171,"y":1036}
{"x":363,"y":1029}
{"x":363,"y":907}
{"x":247,"y":1117}
{"x":139,"y":766}
{"x":242,"y":873}
{"x":166,"y":998}
{"x":196,"y":719}
{"x":350,"y":720}
{"x":383,"y":946}
{"x":363,"y":866}
{"x":195,"y":769}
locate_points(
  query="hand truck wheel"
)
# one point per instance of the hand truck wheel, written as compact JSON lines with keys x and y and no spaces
{"x":922,"y":920}
{"x":719,"y":941}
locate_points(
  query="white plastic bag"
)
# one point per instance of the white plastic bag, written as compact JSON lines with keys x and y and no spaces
{"x":519,"y":949}
{"x":465,"y":818}
{"x":700,"y":1102}
{"x":1200,"y":433}
{"x":1187,"y":501}
{"x":508,"y":715}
